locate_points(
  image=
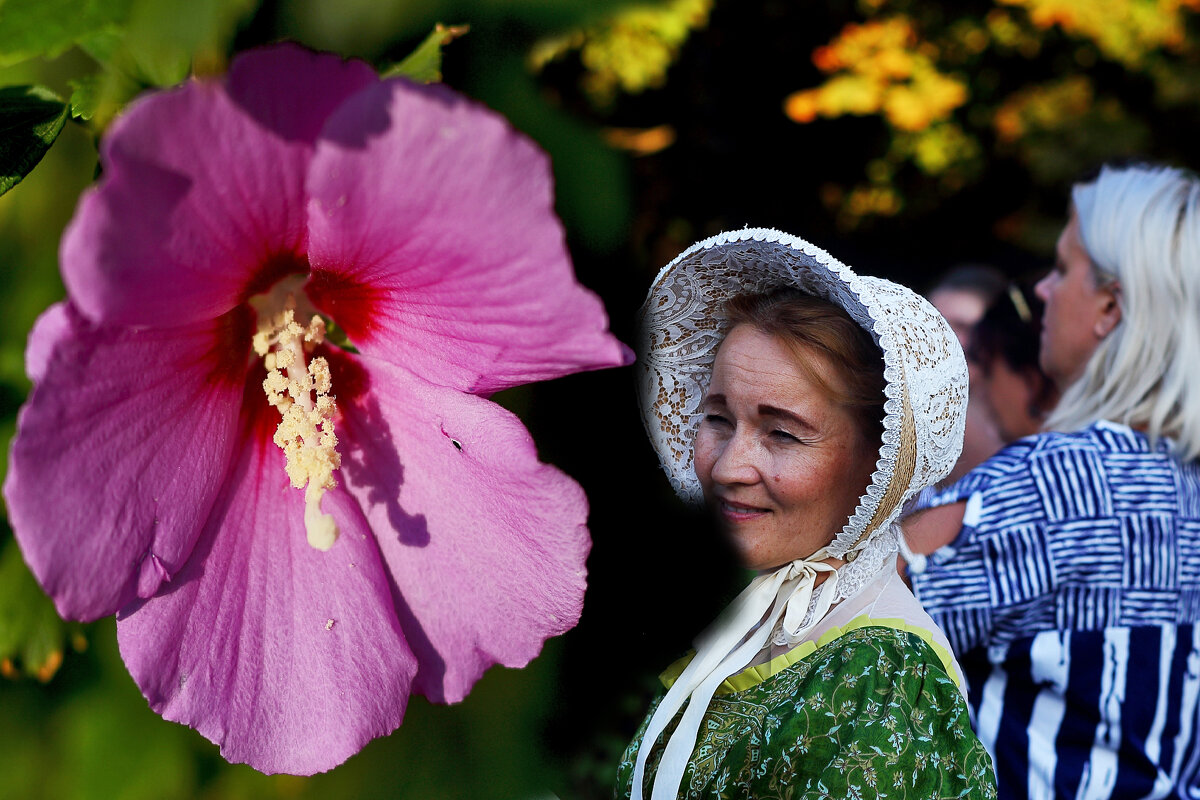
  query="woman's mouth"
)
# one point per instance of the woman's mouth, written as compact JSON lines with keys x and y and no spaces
{"x":738,"y":512}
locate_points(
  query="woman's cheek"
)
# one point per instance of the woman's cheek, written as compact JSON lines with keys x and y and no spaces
{"x":704,"y":456}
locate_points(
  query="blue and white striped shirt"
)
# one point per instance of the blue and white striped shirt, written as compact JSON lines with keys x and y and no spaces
{"x":1072,"y":598}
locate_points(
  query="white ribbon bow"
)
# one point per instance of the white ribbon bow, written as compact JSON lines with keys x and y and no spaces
{"x":724,"y":649}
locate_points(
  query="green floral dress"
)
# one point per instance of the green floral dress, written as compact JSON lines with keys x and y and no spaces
{"x":871,"y":710}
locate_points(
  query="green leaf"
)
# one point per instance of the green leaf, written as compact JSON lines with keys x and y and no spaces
{"x":30,"y":120}
{"x":30,"y":28}
{"x":96,"y":99}
{"x":85,"y":96}
{"x":425,"y":63}
{"x":32,"y":636}
{"x":103,"y":45}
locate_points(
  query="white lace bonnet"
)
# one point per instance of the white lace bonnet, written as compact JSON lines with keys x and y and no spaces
{"x":924,"y":368}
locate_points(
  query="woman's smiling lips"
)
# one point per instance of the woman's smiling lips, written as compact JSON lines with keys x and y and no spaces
{"x":740,"y":512}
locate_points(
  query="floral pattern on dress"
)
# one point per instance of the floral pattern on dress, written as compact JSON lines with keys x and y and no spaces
{"x":871,"y":714}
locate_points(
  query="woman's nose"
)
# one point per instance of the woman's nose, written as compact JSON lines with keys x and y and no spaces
{"x":736,"y":462}
{"x":1042,"y":287}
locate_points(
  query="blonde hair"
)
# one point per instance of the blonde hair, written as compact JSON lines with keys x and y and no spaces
{"x":1140,"y":226}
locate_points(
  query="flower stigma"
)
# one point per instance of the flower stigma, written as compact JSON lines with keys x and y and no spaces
{"x":305,"y":432}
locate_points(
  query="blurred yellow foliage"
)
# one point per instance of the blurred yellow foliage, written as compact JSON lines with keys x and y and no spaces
{"x":1045,"y":107}
{"x":872,"y":200}
{"x":914,"y":81}
{"x":1010,"y":34}
{"x":1123,"y":30}
{"x":630,"y":50}
{"x":877,"y":46}
{"x":938,"y":149}
{"x":880,"y":67}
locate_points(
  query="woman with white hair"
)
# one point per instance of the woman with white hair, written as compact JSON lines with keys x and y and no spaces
{"x":1073,"y":565}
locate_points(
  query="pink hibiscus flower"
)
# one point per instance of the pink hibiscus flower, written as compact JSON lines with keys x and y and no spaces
{"x":296,"y":536}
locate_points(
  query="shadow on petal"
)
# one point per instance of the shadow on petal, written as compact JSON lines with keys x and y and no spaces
{"x":368,"y":113}
{"x":361,"y":118}
{"x":290,"y":90}
{"x":371,"y":461}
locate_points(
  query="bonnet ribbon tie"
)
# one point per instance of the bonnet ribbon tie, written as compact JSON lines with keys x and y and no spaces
{"x":728,"y":645}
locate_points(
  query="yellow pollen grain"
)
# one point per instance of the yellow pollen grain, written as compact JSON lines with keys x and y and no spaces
{"x":261,"y":342}
{"x":318,"y":368}
{"x":305,"y":432}
{"x":315,"y":333}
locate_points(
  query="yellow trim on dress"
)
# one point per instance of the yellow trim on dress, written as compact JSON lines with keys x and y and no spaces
{"x":752,"y":676}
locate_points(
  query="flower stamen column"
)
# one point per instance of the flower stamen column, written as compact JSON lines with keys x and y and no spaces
{"x":305,"y":432}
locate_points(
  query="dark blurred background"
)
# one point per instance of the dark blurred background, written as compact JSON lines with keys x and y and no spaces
{"x":903,"y":136}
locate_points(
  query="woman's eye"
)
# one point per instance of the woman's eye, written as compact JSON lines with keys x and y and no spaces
{"x":715,"y":419}
{"x":784,"y":435}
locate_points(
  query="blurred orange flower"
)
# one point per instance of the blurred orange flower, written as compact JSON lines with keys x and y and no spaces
{"x":880,"y":66}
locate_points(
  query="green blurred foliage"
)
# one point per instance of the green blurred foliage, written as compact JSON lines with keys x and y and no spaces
{"x":134,"y":44}
{"x":31,"y":634}
{"x":370,"y":28}
{"x":31,"y":28}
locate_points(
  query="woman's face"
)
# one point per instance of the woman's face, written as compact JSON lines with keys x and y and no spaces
{"x":781,"y":463}
{"x":1079,"y":313}
{"x":1009,"y":396}
{"x":961,"y":308}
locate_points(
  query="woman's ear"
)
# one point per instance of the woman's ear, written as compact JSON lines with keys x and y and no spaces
{"x":1110,"y":312}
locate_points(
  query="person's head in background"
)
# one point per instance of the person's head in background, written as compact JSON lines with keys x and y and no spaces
{"x":1003,"y":351}
{"x":1121,"y":332}
{"x":961,"y":296}
{"x":963,"y":293}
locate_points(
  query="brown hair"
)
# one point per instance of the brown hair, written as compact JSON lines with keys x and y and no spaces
{"x":803,"y":320}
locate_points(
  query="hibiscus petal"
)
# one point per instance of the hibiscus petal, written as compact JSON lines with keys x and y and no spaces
{"x":48,"y":330}
{"x":290,"y":659}
{"x":120,"y":452}
{"x":487,"y":546}
{"x":434,"y":244}
{"x":202,"y":202}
